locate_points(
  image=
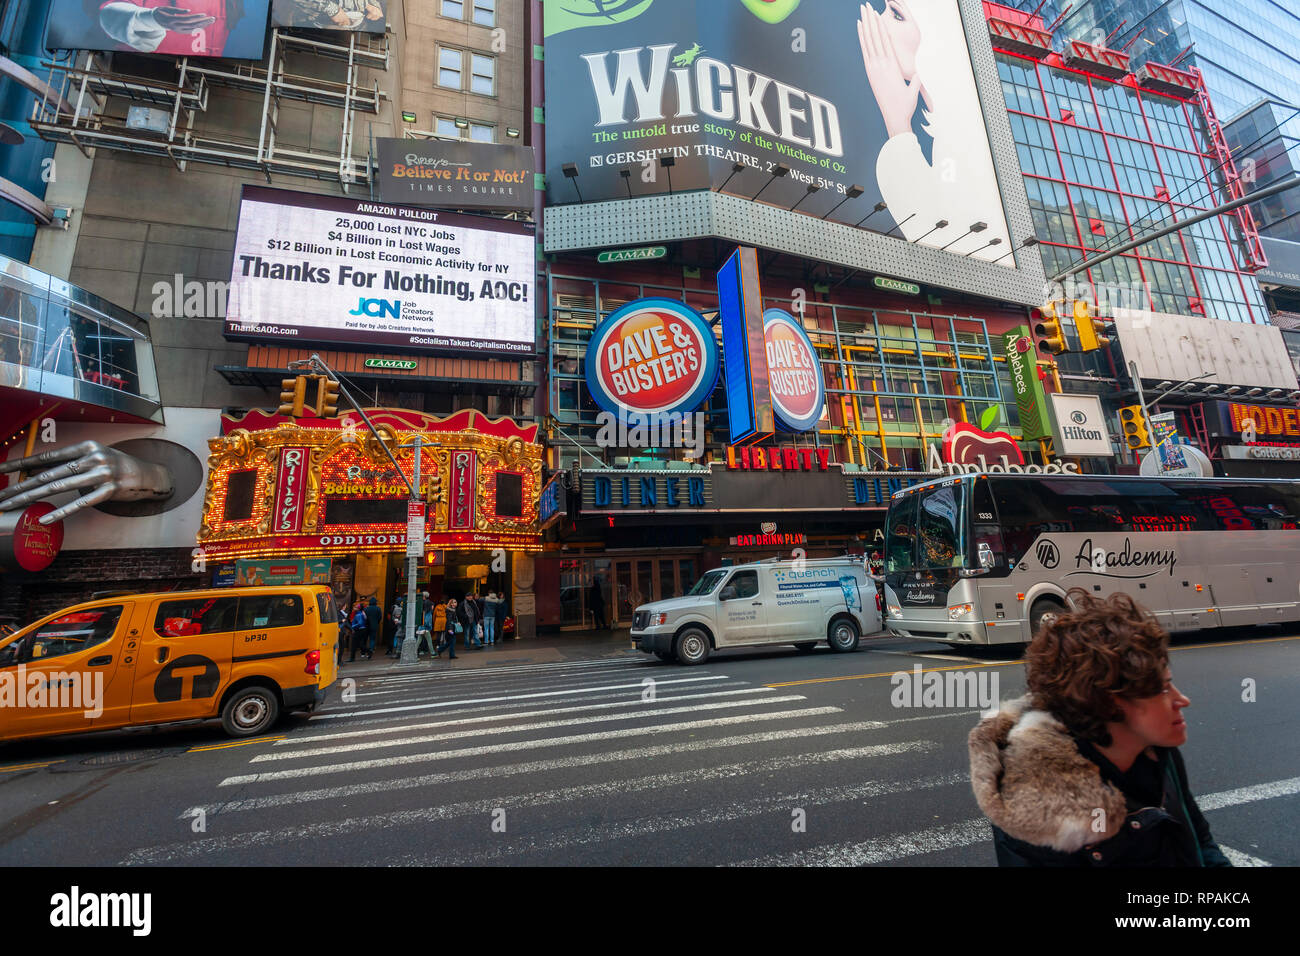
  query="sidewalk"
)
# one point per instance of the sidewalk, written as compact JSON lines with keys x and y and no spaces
{"x":544,"y":649}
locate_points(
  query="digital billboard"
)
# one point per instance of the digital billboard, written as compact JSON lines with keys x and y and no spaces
{"x":781,"y":101}
{"x":362,"y":16}
{"x":234,"y":29}
{"x":322,"y":269}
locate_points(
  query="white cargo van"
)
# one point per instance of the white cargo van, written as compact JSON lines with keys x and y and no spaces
{"x":765,"y":602}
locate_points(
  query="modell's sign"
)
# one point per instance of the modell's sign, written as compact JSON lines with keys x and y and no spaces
{"x":458,"y":175}
{"x":652,"y":357}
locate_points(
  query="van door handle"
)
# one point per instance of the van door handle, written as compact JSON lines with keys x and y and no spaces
{"x":100,"y":661}
{"x":756,"y":604}
{"x":162,"y":654}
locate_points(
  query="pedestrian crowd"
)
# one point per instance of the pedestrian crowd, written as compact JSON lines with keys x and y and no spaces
{"x":475,"y":621}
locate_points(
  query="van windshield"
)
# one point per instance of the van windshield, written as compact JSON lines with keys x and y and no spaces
{"x":708,"y":583}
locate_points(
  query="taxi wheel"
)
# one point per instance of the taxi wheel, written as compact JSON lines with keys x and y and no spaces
{"x":843,"y":636}
{"x":692,"y":646}
{"x":250,"y":711}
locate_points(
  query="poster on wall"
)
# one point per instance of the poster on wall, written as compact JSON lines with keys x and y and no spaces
{"x":361,"y":16}
{"x":234,"y":29}
{"x":878,"y":95}
{"x":319,"y":269}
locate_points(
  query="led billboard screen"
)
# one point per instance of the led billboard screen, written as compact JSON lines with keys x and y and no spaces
{"x":322,"y":269}
{"x":225,"y":28}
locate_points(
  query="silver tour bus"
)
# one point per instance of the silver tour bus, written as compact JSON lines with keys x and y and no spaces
{"x":984,"y":558}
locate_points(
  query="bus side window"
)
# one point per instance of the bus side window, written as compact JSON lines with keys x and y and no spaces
{"x":985,"y":529}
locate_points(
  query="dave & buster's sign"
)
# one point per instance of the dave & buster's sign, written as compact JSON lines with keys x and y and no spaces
{"x":652,"y":357}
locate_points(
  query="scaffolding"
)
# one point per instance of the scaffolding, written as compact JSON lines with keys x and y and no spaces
{"x":84,"y":107}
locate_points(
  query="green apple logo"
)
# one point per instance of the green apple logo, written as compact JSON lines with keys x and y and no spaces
{"x":773,"y":11}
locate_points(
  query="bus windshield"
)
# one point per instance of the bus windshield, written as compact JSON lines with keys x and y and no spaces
{"x":926,"y":531}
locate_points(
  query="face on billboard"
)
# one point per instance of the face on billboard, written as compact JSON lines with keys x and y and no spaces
{"x":798,"y":392}
{"x":220,"y":28}
{"x":652,"y":357}
{"x":318,"y":269}
{"x":881,"y":96}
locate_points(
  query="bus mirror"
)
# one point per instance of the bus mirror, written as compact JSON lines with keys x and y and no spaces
{"x":986,"y":559}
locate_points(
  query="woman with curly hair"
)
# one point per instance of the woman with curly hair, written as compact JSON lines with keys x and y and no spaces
{"x":1085,"y":770}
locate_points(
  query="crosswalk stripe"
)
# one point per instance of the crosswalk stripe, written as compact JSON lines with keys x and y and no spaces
{"x":498,"y":715}
{"x":813,"y":758}
{"x":883,"y":850}
{"x":643,"y":826}
{"x":1237,"y":858}
{"x":426,"y":692}
{"x":562,"y":795}
{"x":490,"y":700}
{"x":388,"y":742}
{"x":506,"y":711}
{"x":1262,"y":791}
{"x":491,"y":674}
{"x":547,"y":742}
{"x":406,"y":674}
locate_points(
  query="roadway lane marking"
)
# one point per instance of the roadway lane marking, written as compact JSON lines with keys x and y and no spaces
{"x":522,"y":745}
{"x":233,"y":743}
{"x":568,"y":763}
{"x":1237,"y":858}
{"x":14,"y":768}
{"x":1261,"y":791}
{"x":520,"y":728}
{"x":604,"y":790}
{"x":493,"y":700}
{"x":927,"y":670}
{"x":885,"y":849}
{"x":389,"y":728}
{"x":556,"y":741}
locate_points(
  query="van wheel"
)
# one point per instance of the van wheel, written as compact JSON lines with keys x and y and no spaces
{"x":843,"y":636}
{"x":250,"y":711}
{"x":692,"y":646}
{"x":804,"y":647}
{"x":1044,"y":611}
{"x":665,"y":656}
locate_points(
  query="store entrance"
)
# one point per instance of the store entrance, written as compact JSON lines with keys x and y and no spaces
{"x":639,"y":581}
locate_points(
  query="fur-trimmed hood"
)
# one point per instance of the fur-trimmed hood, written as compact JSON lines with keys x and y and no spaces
{"x":1033,"y":784}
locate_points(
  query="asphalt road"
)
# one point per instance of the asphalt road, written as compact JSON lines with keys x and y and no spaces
{"x":756,"y":757}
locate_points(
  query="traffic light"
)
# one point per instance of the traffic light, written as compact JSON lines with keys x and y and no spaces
{"x":327,"y":397}
{"x":1048,"y":329}
{"x":1092,"y":330}
{"x":435,"y":489}
{"x":293,"y":393}
{"x":1137,"y":430}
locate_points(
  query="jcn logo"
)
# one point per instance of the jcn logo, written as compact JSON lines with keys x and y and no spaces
{"x":378,"y":308}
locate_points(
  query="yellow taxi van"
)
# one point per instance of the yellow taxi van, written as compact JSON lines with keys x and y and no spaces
{"x":244,"y":655}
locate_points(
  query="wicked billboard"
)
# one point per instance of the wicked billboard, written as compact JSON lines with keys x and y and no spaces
{"x":797,"y":109}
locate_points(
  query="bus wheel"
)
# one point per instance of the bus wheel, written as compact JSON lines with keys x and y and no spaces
{"x":803,"y":647}
{"x":843,"y":636}
{"x":1044,"y":611}
{"x":250,"y":711}
{"x":692,"y":646}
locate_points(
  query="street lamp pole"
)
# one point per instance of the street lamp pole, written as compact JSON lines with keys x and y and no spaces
{"x":409,"y":650}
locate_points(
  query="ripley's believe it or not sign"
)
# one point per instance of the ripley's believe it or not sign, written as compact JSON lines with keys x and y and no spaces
{"x":278,"y":489}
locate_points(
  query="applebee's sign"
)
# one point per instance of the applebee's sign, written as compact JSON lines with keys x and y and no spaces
{"x":1031,"y":401}
{"x":967,"y":449}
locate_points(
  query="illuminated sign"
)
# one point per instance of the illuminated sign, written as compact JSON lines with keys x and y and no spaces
{"x":768,"y":540}
{"x":1262,"y":420}
{"x":25,"y":543}
{"x":652,"y":357}
{"x":964,"y":444}
{"x":633,"y":255}
{"x":1031,"y":401}
{"x":740,"y":307}
{"x":645,"y":491}
{"x":406,"y":365}
{"x":287,"y":512}
{"x":896,"y":285}
{"x":798,"y":392}
{"x":748,"y":457}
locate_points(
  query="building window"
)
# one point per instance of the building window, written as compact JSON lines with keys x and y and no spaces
{"x":454,"y":9}
{"x":450,"y":68}
{"x":482,"y":134}
{"x":484,"y":75}
{"x":444,"y":126}
{"x":485,"y":13}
